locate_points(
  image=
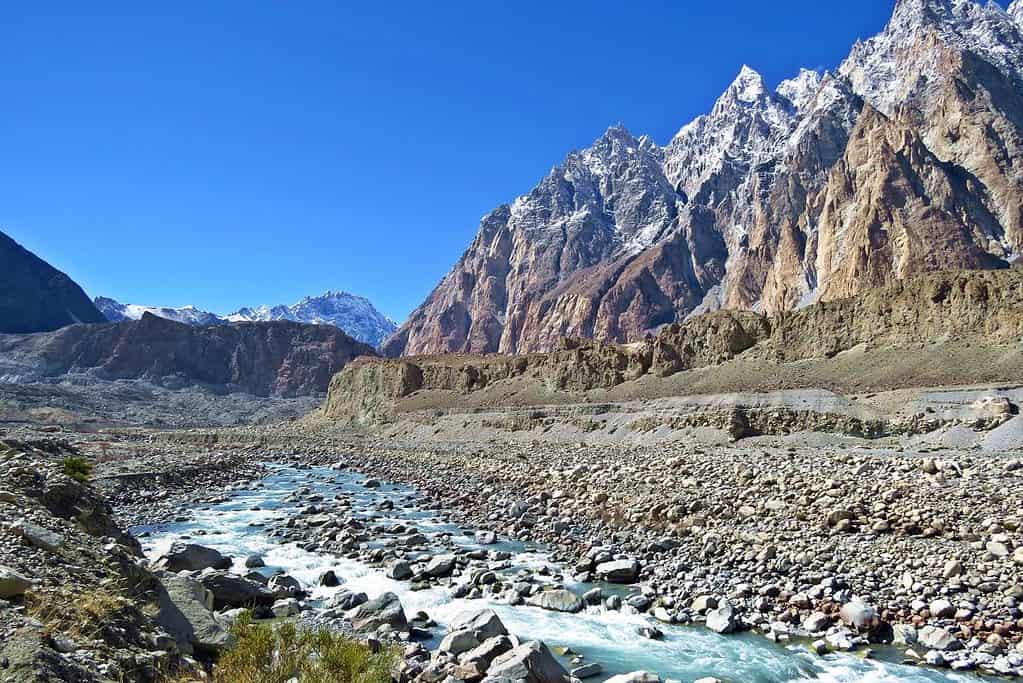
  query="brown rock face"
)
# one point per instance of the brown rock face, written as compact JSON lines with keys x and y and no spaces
{"x":266,"y":359}
{"x":907,"y":160}
{"x":935,"y":307}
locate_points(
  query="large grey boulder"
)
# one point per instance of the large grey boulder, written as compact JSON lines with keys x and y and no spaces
{"x":858,"y":615}
{"x":722,"y":620}
{"x":385,"y":610}
{"x":440,"y":566}
{"x":12,"y":584}
{"x":484,"y":622}
{"x":559,"y":600}
{"x":38,"y":536}
{"x":347,"y":600}
{"x":230,"y":590}
{"x":530,"y":662}
{"x":185,"y":611}
{"x":934,"y":638}
{"x":619,"y":571}
{"x":191,"y":557}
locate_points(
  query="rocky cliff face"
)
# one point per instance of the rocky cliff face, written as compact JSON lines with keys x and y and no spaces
{"x":907,"y":314}
{"x":35,"y":296}
{"x":905,"y":160}
{"x":266,"y":359}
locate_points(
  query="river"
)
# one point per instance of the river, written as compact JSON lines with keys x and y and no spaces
{"x":239,"y":527}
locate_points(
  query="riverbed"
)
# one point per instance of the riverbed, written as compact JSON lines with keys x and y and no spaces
{"x":240,"y":526}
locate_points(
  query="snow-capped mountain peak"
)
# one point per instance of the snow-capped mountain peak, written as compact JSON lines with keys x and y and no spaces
{"x":353,"y":314}
{"x":802,"y":89}
{"x":747,"y":87}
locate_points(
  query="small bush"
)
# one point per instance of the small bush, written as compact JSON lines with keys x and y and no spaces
{"x":78,"y":469}
{"x":88,"y":615}
{"x":274,"y":654}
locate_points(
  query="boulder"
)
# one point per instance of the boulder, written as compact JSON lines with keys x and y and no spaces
{"x":185,"y":611}
{"x":487,"y":652}
{"x":587,"y":671}
{"x":288,"y":607}
{"x":816,"y":622}
{"x":38,"y":536}
{"x":485,"y":623}
{"x":486,"y":537}
{"x":934,"y":638}
{"x":440,"y":566}
{"x":284,"y":586}
{"x":330,"y":579}
{"x":191,"y":557}
{"x":858,"y":615}
{"x":385,"y":610}
{"x":723,"y":620}
{"x":559,"y":600}
{"x":12,"y":584}
{"x":941,"y":609}
{"x":530,"y":662}
{"x":347,"y":600}
{"x":400,"y":571}
{"x":619,"y":571}
{"x":635,"y":677}
{"x":230,"y":590}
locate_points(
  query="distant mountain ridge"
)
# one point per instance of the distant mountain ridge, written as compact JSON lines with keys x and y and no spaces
{"x":355,"y":315}
{"x":35,"y":296}
{"x":907,"y":159}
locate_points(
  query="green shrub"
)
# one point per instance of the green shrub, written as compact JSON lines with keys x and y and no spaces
{"x":78,"y":469}
{"x":267,"y":653}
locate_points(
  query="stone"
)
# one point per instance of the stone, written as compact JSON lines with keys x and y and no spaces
{"x":440,"y":566}
{"x":184,"y":610}
{"x":817,"y":622}
{"x":559,"y":600}
{"x":385,"y":610}
{"x":904,"y":634}
{"x":12,"y":584}
{"x":458,"y":641}
{"x":329,"y":579}
{"x":38,"y":536}
{"x":347,"y":600}
{"x":400,"y":571}
{"x":288,"y":607}
{"x":485,"y":623}
{"x":530,"y":662}
{"x":858,"y":615}
{"x":587,"y":671}
{"x":254,"y":562}
{"x":635,"y":677}
{"x":952,"y":569}
{"x":284,"y":586}
{"x":619,"y":571}
{"x":486,"y":537}
{"x":934,"y":638}
{"x":704,"y":603}
{"x":722,"y":619}
{"x":942,"y":609}
{"x":488,"y":651}
{"x":232,"y":591}
{"x":192,"y":558}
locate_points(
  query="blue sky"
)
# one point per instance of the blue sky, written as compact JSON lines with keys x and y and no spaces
{"x":235,"y":153}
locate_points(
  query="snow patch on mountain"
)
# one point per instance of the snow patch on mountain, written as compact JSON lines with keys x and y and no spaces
{"x":190,"y":315}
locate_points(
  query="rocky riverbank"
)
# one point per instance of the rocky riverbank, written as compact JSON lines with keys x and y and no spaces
{"x":850,"y":547}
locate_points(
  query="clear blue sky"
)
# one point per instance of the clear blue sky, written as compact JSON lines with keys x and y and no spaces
{"x":236,"y":153}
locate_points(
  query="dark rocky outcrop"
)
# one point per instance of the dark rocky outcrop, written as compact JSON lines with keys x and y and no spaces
{"x":265,"y":358}
{"x":35,"y":296}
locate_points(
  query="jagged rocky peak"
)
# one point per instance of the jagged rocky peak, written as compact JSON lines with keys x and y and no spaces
{"x":770,"y":201}
{"x":802,"y":89}
{"x":1016,"y":12}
